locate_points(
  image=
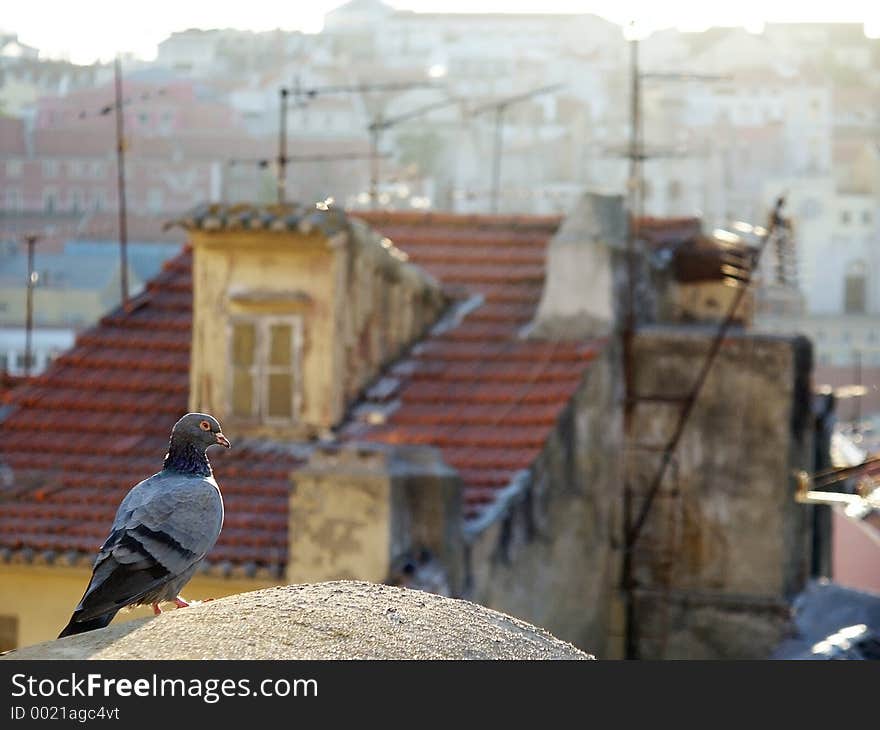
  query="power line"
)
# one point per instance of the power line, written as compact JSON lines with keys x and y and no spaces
{"x":264,"y":162}
{"x":116,"y":108}
{"x":120,"y":184}
{"x":108,"y":109}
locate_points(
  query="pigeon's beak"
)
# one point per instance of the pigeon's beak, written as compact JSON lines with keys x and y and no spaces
{"x":222,"y":440}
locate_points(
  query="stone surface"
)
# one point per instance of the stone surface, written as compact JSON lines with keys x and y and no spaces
{"x":724,"y":533}
{"x":547,"y":556}
{"x":336,"y":620}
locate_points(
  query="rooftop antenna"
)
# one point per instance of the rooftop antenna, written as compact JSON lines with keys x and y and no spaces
{"x":32,"y":276}
{"x":633,"y":521}
{"x":116,"y":108}
{"x":380,"y":124}
{"x":120,"y":183}
{"x":499,"y":108}
{"x":301,"y":97}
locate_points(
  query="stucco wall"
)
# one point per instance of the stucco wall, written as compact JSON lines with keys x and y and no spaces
{"x":230,"y":272}
{"x":548,"y":558}
{"x":360,"y":304}
{"x":358,"y":510}
{"x":725,"y":535}
{"x":42,"y":597}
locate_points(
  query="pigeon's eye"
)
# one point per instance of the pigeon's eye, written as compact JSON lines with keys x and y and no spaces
{"x":205,"y":426}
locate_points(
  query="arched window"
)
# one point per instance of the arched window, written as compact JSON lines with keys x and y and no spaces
{"x":855,"y":288}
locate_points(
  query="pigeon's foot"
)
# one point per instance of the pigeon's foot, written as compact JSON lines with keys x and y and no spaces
{"x":181,"y":602}
{"x":156,"y":609}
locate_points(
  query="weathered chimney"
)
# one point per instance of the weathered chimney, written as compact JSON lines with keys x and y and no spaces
{"x":295,"y":310}
{"x":577,"y":301}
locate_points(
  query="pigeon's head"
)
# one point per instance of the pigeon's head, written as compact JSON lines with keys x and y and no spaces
{"x":199,"y":428}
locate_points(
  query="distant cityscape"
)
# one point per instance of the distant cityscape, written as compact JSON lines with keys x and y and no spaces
{"x":405,"y":110}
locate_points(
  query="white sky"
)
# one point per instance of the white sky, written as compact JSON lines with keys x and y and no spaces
{"x":83,"y":30}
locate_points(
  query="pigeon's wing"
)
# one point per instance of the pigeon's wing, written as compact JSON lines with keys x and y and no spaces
{"x":162,"y":528}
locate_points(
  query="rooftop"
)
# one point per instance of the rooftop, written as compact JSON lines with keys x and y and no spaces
{"x":98,"y":420}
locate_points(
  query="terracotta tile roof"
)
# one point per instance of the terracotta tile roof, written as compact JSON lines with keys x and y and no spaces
{"x":97,"y":421}
{"x":488,"y":399}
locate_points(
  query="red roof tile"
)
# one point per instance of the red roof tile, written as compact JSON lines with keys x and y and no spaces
{"x":98,"y":421}
{"x":486,"y":398}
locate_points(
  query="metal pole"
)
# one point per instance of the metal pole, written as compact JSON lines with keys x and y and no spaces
{"x":631,"y":638}
{"x":120,"y":186}
{"x":857,"y":354}
{"x":496,"y":158}
{"x":634,"y":182}
{"x":282,"y":146}
{"x":31,"y":239}
{"x":374,"y":164}
{"x":635,"y":137}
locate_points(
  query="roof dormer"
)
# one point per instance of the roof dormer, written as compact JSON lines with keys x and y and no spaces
{"x":295,"y":310}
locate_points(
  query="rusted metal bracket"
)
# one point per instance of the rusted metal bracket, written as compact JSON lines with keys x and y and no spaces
{"x":867,"y":497}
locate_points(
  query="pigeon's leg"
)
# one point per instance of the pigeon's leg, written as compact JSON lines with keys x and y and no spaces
{"x":156,"y":609}
{"x":181,"y":602}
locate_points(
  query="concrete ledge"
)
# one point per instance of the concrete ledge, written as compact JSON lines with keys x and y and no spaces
{"x":336,"y":620}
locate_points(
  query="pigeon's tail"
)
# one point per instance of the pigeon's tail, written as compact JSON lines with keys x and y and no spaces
{"x":79,"y":627}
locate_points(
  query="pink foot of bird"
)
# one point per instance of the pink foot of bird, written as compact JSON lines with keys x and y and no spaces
{"x":156,"y":609}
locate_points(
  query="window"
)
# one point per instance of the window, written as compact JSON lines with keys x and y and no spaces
{"x":13,"y":168}
{"x":845,"y":217}
{"x":866,"y":217}
{"x":100,"y":200}
{"x":13,"y":199}
{"x":155,"y":200}
{"x":855,"y":289}
{"x":98,"y":170}
{"x":50,"y":168}
{"x":8,"y":632}
{"x":674,"y":190}
{"x":265,"y":357}
{"x":50,"y":200}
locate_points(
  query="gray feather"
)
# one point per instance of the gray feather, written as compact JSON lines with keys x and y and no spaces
{"x":163,"y":529}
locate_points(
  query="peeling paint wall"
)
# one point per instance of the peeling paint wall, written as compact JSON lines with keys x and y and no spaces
{"x":358,"y":511}
{"x":548,"y":558}
{"x":725,"y":545}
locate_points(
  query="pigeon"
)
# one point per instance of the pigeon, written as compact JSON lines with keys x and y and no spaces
{"x":162,"y":531}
